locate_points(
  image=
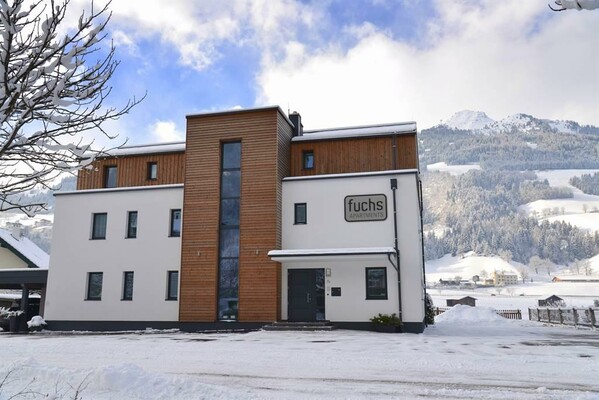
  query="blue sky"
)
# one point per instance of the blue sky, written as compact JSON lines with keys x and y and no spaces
{"x":342,"y":63}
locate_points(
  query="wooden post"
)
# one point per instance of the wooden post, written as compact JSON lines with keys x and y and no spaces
{"x":592,"y":316}
{"x":561,"y":316}
{"x":575,"y":316}
{"x":548,"y":315}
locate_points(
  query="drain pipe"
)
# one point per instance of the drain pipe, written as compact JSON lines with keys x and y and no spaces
{"x":396,"y":246}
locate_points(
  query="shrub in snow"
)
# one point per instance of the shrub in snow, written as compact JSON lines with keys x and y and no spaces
{"x":429,"y":312}
{"x":386,"y":319}
{"x":36,"y":322}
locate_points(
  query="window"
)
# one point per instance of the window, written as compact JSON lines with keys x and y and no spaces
{"x":94,"y":286}
{"x":99,"y":226}
{"x":172,"y":289}
{"x":127,"y":285}
{"x":376,"y":283}
{"x":175,"y":223}
{"x":110,"y":173}
{"x":228,"y":264}
{"x":131,"y":224}
{"x":152,"y":170}
{"x":308,"y":159}
{"x":300,"y":214}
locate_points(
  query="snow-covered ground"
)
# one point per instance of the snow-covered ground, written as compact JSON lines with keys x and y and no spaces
{"x":573,"y":208}
{"x":470,"y":353}
{"x":465,"y":266}
{"x":452,"y":169}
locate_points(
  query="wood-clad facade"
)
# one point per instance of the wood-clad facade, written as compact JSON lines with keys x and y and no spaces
{"x":132,"y":170}
{"x":265,"y":135}
{"x":361,"y":154}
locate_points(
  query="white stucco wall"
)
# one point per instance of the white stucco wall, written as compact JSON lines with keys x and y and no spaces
{"x":9,"y":260}
{"x":149,"y":256}
{"x":327,"y":228}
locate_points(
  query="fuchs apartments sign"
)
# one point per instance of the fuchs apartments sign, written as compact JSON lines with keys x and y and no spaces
{"x":366,"y":207}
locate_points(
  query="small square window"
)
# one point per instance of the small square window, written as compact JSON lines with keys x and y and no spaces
{"x":94,"y":285}
{"x":128,"y":285}
{"x":308,"y":159}
{"x":376,"y":283}
{"x":110,"y":175}
{"x":300,"y":214}
{"x":99,"y":226}
{"x":172,"y":289}
{"x":175,"y":229}
{"x":131,"y":224}
{"x":152,"y":170}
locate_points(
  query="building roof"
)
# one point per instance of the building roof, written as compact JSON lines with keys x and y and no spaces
{"x":156,"y":148}
{"x":25,"y":249}
{"x":357,"y":131}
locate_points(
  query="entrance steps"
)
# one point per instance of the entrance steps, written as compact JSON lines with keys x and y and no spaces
{"x":299,"y":326}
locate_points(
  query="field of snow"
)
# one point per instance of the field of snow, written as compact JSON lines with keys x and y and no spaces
{"x":574,"y":207}
{"x":465,"y":266}
{"x":452,"y":169}
{"x":469,"y":353}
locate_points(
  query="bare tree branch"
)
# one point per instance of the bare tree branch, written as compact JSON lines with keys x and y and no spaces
{"x":53,"y":89}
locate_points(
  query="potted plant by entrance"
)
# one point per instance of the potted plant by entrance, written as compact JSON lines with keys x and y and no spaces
{"x":386,"y":323}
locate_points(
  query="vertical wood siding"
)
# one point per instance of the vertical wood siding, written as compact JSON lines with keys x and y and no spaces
{"x":133,"y":171}
{"x":263,"y":134}
{"x":355,"y":155}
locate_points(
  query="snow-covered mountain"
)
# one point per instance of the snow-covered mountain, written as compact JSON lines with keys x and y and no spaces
{"x":478,"y":121}
{"x":468,"y":120}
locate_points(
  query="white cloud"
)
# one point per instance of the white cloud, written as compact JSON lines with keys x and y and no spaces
{"x":166,"y":131}
{"x":499,"y":57}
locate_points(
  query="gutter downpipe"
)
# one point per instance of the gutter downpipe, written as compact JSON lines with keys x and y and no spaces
{"x":395,"y":239}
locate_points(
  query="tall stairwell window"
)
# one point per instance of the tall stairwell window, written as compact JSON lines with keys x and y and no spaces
{"x":228,"y":265}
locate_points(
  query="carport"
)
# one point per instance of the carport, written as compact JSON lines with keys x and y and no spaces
{"x":25,"y":279}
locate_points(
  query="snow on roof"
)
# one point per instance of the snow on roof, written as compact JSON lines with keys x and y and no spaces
{"x":26,"y":248}
{"x":146,"y":149}
{"x":357,"y":131}
{"x":356,"y":251}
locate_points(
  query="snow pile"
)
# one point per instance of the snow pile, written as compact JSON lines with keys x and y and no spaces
{"x":461,"y":313}
{"x":36,"y":321}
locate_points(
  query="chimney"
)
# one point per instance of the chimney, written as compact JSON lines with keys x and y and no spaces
{"x":296,"y":119}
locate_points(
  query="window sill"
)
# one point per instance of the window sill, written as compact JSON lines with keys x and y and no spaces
{"x":126,"y":299}
{"x":99,"y":238}
{"x":171,"y":299}
{"x":93,"y":299}
{"x":130,"y":237}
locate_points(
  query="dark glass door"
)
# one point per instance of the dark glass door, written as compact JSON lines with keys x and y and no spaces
{"x":306,"y":295}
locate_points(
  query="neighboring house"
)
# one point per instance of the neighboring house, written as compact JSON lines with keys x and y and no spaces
{"x":24,"y":267}
{"x":251,"y":220}
{"x":502,"y":278}
{"x":17,"y":251}
{"x":552,"y":301}
{"x":467,"y":301}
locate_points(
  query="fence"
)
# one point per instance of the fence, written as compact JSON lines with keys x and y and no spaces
{"x":509,"y":314}
{"x":565,"y":316}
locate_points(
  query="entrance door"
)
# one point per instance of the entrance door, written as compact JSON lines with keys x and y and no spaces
{"x":305,"y":295}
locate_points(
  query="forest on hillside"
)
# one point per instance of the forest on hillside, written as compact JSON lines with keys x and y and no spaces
{"x":478,"y":211}
{"x":588,"y":183}
{"x":514,"y":151}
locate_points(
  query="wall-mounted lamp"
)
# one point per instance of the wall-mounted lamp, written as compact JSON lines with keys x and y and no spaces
{"x":327,"y":271}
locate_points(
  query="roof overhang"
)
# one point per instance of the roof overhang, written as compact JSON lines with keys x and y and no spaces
{"x":361,"y":253}
{"x":16,"y":278}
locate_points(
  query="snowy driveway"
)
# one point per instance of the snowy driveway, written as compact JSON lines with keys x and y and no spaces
{"x":456,"y":358}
